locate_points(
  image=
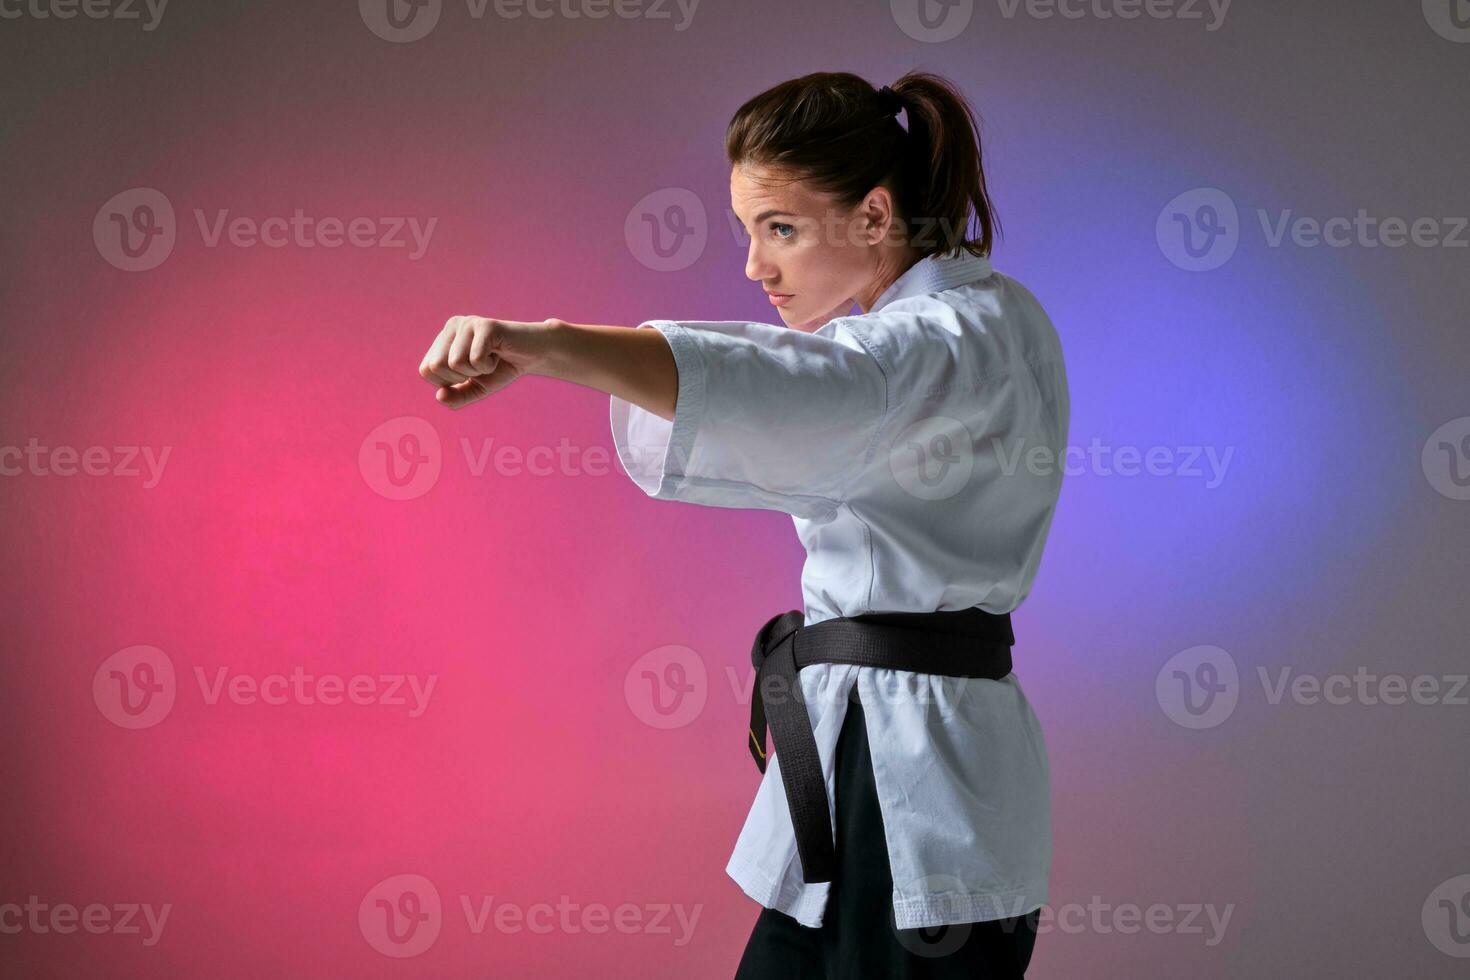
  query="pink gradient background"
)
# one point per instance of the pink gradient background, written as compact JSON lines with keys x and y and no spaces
{"x":530,"y":598}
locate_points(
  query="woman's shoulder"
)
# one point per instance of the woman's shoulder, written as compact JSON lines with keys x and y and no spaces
{"x":985,"y":326}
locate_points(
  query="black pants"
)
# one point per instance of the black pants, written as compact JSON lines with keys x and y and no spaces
{"x":858,"y":939}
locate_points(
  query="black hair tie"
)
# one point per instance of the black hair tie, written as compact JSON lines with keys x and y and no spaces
{"x":890,"y":101}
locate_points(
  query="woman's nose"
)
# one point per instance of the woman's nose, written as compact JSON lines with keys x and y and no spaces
{"x":756,"y":266}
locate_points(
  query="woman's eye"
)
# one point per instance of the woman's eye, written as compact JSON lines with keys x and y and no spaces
{"x":776,"y":226}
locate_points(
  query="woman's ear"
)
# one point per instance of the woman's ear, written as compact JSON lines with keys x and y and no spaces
{"x":877,"y":214}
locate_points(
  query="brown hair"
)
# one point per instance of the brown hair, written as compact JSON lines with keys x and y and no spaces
{"x":837,"y":131}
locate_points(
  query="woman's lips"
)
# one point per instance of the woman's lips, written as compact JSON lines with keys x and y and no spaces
{"x":779,"y":299}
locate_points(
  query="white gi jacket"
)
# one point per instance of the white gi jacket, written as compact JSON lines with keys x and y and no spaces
{"x":904,"y":444}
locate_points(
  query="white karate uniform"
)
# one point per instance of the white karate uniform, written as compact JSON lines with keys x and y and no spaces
{"x":903,"y":444}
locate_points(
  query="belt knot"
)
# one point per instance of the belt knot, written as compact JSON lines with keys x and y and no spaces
{"x":773,"y":634}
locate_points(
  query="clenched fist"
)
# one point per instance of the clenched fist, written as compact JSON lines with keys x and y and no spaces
{"x":474,"y":356}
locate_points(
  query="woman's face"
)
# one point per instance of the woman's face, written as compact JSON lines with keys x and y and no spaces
{"x":821,"y":258}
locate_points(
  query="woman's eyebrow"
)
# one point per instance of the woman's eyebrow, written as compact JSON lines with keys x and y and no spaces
{"x":771,"y":214}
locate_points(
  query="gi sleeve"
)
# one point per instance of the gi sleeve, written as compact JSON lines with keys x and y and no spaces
{"x":767,"y":417}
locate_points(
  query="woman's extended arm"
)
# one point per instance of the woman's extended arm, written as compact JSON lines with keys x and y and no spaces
{"x":476,"y":356}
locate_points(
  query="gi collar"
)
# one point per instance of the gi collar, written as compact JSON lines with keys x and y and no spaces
{"x":932,"y":274}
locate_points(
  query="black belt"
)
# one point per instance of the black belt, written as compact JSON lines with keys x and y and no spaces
{"x":963,"y":643}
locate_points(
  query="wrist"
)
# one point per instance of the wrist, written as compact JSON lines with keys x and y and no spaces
{"x":553,"y":334}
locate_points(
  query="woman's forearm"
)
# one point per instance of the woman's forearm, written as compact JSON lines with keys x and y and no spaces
{"x":634,"y":365}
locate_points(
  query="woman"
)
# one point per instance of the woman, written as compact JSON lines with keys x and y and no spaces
{"x":904,"y":444}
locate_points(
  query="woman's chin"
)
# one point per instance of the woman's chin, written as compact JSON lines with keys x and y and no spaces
{"x":797,"y":323}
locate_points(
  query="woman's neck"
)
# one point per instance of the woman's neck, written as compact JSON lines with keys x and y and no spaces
{"x":891,"y":266}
